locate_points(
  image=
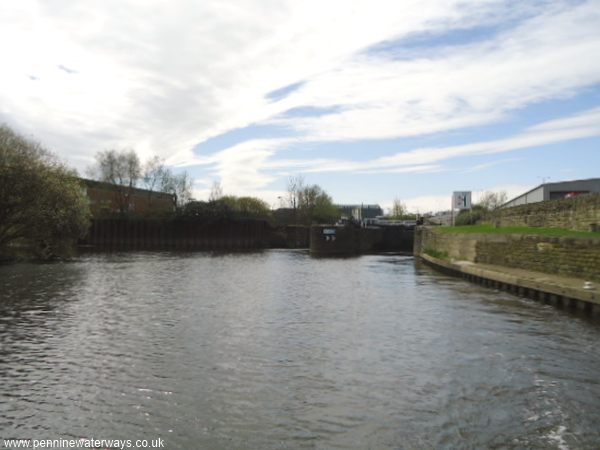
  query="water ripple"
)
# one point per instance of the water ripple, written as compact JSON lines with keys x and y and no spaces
{"x":278,"y":350}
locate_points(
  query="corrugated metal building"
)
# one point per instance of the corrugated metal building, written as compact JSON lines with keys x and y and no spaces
{"x":556,"y":191}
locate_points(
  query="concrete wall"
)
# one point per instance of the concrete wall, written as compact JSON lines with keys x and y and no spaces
{"x":579,"y":213}
{"x":577,"y":257}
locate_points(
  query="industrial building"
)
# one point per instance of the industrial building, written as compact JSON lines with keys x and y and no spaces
{"x":360,"y":212}
{"x":107,"y":199}
{"x":556,"y":191}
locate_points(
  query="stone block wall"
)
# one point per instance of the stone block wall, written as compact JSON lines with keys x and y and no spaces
{"x":459,"y":246}
{"x":569,"y":256}
{"x":579,"y":213}
{"x":577,"y":257}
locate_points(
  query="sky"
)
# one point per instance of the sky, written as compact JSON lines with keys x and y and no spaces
{"x":372,"y":100}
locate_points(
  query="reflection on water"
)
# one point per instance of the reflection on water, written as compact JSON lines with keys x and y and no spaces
{"x":278,"y":350}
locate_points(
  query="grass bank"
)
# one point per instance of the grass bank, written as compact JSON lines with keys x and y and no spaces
{"x":539,"y":231}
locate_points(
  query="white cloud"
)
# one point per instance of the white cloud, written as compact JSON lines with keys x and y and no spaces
{"x":487,"y":165}
{"x":465,"y":85}
{"x":578,"y":126}
{"x":163,"y":76}
{"x":442,"y":201}
{"x":250,"y":165}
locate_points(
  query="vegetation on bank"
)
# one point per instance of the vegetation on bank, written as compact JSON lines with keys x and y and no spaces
{"x":435,"y":253}
{"x":303,"y":205}
{"x":309,"y":204}
{"x":125,"y":171}
{"x":43,"y":209}
{"x":226,"y":208}
{"x":306,"y":204}
{"x":400,"y":212}
{"x":483,"y":210}
{"x":491,"y":229}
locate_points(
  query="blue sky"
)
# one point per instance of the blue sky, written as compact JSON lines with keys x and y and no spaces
{"x":372,"y":100}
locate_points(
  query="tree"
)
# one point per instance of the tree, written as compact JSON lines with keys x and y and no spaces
{"x":294,"y":187}
{"x":121,"y":168}
{"x":398,"y":209}
{"x":207,"y":212}
{"x":492,"y":200}
{"x":247,"y":207}
{"x":181,"y":188}
{"x":483,"y":210}
{"x":471,"y":216}
{"x":153,"y":172}
{"x":315,"y":205}
{"x":42,"y":204}
{"x":216,"y":191}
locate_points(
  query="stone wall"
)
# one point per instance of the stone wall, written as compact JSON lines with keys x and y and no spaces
{"x":579,"y":213}
{"x":568,"y":256}
{"x":460,"y":246}
{"x":577,"y":257}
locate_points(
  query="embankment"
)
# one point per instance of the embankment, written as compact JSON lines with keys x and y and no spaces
{"x":577,"y":257}
{"x":579,"y":213}
{"x":532,"y":265}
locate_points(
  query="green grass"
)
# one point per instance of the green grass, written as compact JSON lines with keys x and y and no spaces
{"x":515,"y":230}
{"x":435,"y":253}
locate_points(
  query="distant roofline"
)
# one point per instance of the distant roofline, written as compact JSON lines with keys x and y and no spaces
{"x":90,"y":182}
{"x":353,"y":205}
{"x":548,"y":184}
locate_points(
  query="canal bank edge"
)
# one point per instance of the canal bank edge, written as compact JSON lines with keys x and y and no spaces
{"x":458,"y":254}
{"x":567,"y":256}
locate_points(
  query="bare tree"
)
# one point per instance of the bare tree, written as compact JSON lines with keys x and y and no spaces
{"x":180,"y":186}
{"x":398,"y":209}
{"x":183,"y":188}
{"x":294,"y":188}
{"x":121,"y":168}
{"x":216,"y":191}
{"x":153,"y":172}
{"x":492,"y":200}
{"x":153,"y":175}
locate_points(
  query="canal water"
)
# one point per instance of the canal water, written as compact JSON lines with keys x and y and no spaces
{"x":280,"y":350}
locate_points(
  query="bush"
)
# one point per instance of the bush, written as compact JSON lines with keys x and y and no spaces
{"x":43,"y":207}
{"x":471,"y":217}
{"x":435,"y":253}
